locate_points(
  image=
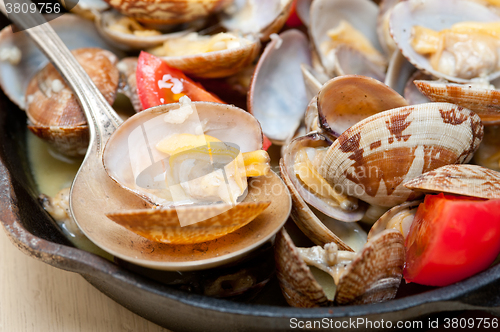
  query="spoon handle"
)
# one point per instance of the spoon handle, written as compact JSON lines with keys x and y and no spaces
{"x":101,"y":117}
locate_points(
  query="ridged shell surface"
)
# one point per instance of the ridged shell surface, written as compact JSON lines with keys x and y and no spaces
{"x":372,"y":159}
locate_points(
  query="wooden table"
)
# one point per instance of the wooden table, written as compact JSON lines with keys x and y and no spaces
{"x":37,"y":297}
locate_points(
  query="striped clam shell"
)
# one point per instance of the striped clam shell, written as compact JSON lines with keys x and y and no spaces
{"x":372,"y":159}
{"x":468,"y":180}
{"x":373,"y":276}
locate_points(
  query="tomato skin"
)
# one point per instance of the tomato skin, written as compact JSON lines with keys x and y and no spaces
{"x":152,"y":70}
{"x":451,"y":238}
{"x":293,"y":20}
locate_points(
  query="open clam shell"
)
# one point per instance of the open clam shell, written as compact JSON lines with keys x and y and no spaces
{"x":168,"y":11}
{"x":346,"y":100}
{"x":399,"y":218}
{"x":468,"y":180}
{"x":128,"y":154}
{"x":413,"y":94}
{"x":436,"y":15}
{"x":482,"y":100}
{"x":259,"y":17}
{"x":162,"y":225}
{"x":130,"y":41}
{"x":383,"y":29}
{"x":313,"y":80}
{"x":372,"y":159}
{"x":303,"y":8}
{"x":349,"y":61}
{"x":313,"y":140}
{"x":54,"y":113}
{"x":398,"y":72}
{"x":215,"y":64}
{"x":277,"y":96}
{"x":328,"y":14}
{"x":15,"y":76}
{"x":373,"y":276}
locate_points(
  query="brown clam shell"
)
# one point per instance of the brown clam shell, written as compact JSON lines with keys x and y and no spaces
{"x":373,"y":276}
{"x":162,"y":225}
{"x":346,"y":100}
{"x":468,"y":180}
{"x":216,"y":64}
{"x":53,"y":111}
{"x":485,"y":102}
{"x":372,"y":159}
{"x":296,"y":280}
{"x":168,"y":11}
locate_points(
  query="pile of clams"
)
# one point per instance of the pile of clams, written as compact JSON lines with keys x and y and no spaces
{"x":374,"y":104}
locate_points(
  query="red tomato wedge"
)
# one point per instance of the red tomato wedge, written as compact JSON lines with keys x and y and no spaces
{"x":293,"y":20}
{"x":158,"y":83}
{"x":451,"y":238}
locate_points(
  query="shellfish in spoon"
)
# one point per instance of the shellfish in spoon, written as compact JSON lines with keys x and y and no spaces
{"x":94,"y":193}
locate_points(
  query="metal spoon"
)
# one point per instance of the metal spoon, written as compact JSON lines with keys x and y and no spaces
{"x":93,"y":193}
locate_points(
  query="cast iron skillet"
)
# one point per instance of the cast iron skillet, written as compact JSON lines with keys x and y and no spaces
{"x":32,"y":231}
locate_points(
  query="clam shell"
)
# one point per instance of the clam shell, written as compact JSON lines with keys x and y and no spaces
{"x":468,"y":180}
{"x":124,"y":162}
{"x":373,"y":276}
{"x":346,"y":100}
{"x":162,"y":225}
{"x":381,"y":224}
{"x":14,"y":79}
{"x":129,"y":42}
{"x":311,"y":117}
{"x":413,"y":94}
{"x":53,"y":111}
{"x":168,"y":11}
{"x":327,"y":14}
{"x":303,"y":8}
{"x":398,"y":72}
{"x":436,"y":15}
{"x":218,"y":63}
{"x":260,"y":17}
{"x":311,"y":140}
{"x":485,"y":102}
{"x":313,"y":80}
{"x":349,"y":61}
{"x":383,"y":31}
{"x":307,"y":221}
{"x":277,"y":96}
{"x":372,"y":159}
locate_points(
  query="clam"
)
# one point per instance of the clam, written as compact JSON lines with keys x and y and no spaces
{"x":23,"y":59}
{"x":54,"y":113}
{"x":303,"y":8}
{"x":346,"y":22}
{"x":313,"y":80}
{"x":159,"y":155}
{"x":349,"y":61}
{"x":168,"y":11}
{"x":258,"y":17}
{"x":346,"y":100}
{"x":220,"y":55}
{"x":128,"y":83}
{"x":371,"y":275}
{"x":277,"y":96}
{"x":479,"y":97}
{"x":417,"y":139}
{"x":298,"y":169}
{"x":467,"y":180}
{"x":127,"y":34}
{"x":471,"y":58}
{"x":399,"y":218}
{"x":413,"y":94}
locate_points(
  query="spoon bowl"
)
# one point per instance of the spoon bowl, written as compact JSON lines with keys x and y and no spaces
{"x":94,"y":193}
